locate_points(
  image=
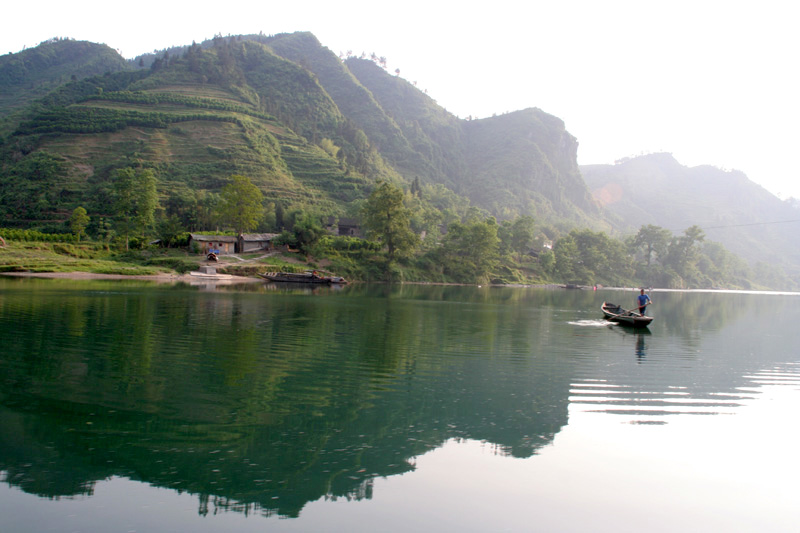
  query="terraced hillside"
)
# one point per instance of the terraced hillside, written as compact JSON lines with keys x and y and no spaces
{"x":312,"y":131}
{"x":193,"y":133}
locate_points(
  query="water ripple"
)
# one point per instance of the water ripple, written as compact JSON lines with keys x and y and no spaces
{"x":599,"y":396}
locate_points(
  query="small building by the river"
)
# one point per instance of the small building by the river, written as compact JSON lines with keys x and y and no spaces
{"x":256,"y":242}
{"x":219,"y":244}
{"x":343,"y":226}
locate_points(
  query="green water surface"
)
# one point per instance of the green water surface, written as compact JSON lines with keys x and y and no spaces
{"x":128,"y":406}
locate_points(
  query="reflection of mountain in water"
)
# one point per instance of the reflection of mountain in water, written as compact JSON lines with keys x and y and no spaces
{"x":257,"y":402}
{"x":264,"y":402}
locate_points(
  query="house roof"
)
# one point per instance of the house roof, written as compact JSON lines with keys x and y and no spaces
{"x":259,"y":236}
{"x":211,"y":238}
{"x":248,"y":237}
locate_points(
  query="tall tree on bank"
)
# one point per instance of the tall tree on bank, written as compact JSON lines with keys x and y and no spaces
{"x":78,"y":222}
{"x":241,"y":204}
{"x":470,"y":250}
{"x":683,"y":252}
{"x":652,"y":240}
{"x":307,"y":231}
{"x":387,"y":219}
{"x":136,"y":200}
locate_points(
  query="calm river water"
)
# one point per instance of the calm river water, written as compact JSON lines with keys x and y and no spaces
{"x":126,"y":406}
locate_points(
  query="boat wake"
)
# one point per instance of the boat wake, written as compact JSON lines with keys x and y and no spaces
{"x":589,"y":323}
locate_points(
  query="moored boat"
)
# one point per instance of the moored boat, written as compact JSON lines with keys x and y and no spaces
{"x":303,"y":277}
{"x":625,"y":317}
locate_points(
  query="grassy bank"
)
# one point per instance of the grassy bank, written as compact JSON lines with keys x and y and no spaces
{"x":86,"y":257}
{"x":96,"y":258}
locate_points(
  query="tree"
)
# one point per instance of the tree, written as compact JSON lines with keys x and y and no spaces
{"x":136,"y":200}
{"x":425,"y":218}
{"x":682,"y":252}
{"x":78,"y":222}
{"x":182,"y":204}
{"x":522,"y":232}
{"x":601,"y":258}
{"x":416,"y":189}
{"x":241,"y":204}
{"x":208,"y":209}
{"x":387,"y":219}
{"x":505,"y":233}
{"x":566,"y":255}
{"x":470,"y":251}
{"x":169,"y":230}
{"x":548,"y":261}
{"x":585,"y":256}
{"x":307,"y":231}
{"x":653,"y":239}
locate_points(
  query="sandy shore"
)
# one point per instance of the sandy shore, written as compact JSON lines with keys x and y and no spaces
{"x":160,"y":278}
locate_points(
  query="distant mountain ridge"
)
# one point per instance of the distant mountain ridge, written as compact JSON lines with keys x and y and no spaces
{"x":732,"y":210}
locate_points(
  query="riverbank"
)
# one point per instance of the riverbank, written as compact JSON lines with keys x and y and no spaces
{"x":96,"y":261}
{"x":160,"y":278}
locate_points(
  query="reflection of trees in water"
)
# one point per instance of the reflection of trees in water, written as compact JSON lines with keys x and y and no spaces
{"x":711,"y":311}
{"x":691,"y":316}
{"x":264,"y":404}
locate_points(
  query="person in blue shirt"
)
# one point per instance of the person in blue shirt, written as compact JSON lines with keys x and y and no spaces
{"x":643,"y":300}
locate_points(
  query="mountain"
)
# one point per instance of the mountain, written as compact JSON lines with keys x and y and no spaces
{"x":234,"y":107}
{"x":313,"y":131}
{"x":526,"y":162}
{"x":34,"y":72}
{"x":316,"y":132}
{"x":732,"y":210}
{"x":518,"y":163}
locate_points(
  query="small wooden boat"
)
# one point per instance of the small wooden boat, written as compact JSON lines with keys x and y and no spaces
{"x":303,"y":277}
{"x":625,"y":317}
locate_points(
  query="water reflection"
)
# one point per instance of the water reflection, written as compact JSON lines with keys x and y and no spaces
{"x":261,"y":400}
{"x":267,"y":404}
{"x":641,"y":347}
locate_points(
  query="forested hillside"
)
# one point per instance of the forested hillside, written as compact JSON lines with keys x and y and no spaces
{"x":195,"y":120}
{"x":34,"y":72}
{"x":308,"y":128}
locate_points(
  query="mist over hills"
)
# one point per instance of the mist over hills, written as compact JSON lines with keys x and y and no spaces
{"x":732,"y":210}
{"x":316,"y":131}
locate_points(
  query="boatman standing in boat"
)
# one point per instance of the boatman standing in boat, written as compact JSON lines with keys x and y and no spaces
{"x":643,"y":301}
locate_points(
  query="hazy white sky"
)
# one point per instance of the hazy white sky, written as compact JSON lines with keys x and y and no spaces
{"x":712,"y":82}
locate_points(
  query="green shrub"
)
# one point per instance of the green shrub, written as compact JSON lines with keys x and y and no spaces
{"x":181,"y":240}
{"x":29,"y":235}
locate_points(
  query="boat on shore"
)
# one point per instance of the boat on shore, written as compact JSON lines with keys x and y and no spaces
{"x":303,"y":277}
{"x":624,"y":317}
